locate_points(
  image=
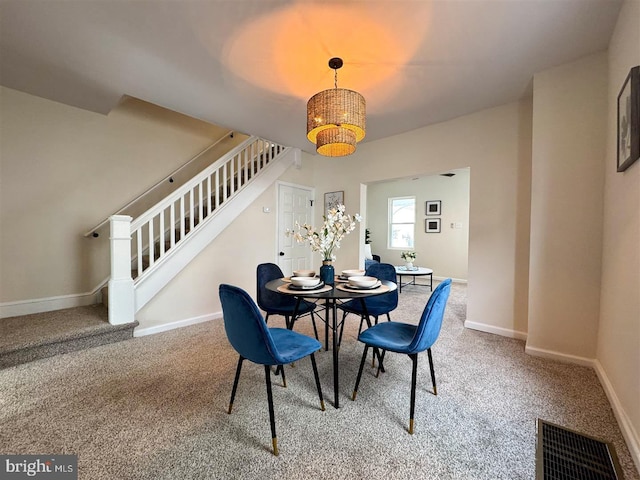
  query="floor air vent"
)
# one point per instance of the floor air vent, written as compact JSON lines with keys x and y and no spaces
{"x":562,"y":454}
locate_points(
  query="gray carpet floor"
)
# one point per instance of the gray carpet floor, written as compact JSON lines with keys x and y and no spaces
{"x":155,"y":408}
{"x":75,"y":322}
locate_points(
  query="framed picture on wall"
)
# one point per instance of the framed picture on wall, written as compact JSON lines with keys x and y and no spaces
{"x":433,"y":207}
{"x":332,"y":199}
{"x":628,"y":140}
{"x":432,"y":225}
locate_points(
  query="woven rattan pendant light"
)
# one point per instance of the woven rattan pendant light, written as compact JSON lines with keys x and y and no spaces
{"x":336,"y":118}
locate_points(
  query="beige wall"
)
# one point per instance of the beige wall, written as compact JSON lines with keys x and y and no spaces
{"x":63,"y":170}
{"x":569,"y":122}
{"x":618,"y":349}
{"x":495,"y":144}
{"x":445,"y":252}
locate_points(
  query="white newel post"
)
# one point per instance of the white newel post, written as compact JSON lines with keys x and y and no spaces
{"x":121,"y":289}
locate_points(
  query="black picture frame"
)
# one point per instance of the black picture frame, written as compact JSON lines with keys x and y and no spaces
{"x":628,"y":121}
{"x":331,"y":199}
{"x":433,"y":207}
{"x":432,"y":225}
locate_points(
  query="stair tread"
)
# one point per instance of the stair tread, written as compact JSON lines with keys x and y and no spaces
{"x":28,"y":331}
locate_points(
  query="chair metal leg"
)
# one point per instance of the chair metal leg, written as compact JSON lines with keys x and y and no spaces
{"x":313,"y":322}
{"x":433,"y":373}
{"x":361,"y":322}
{"x":272,"y":420}
{"x":315,"y":374}
{"x":235,"y":383}
{"x":364,"y":316}
{"x":284,"y":379}
{"x":364,"y":357}
{"x":266,"y":318}
{"x":375,"y":350}
{"x":294,"y":315}
{"x":414,"y":374}
{"x":344,"y":315}
{"x":380,"y":363}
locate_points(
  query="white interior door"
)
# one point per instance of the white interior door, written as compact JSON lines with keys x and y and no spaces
{"x":294,"y":205}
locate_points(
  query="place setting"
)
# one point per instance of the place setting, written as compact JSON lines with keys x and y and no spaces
{"x":345,"y":274}
{"x":356,"y":280}
{"x":303,"y":280}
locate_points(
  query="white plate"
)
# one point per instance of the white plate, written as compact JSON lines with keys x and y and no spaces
{"x":366,"y":282}
{"x":314,"y":287}
{"x":352,"y":287}
{"x":305,"y":281}
{"x":352,"y":273}
{"x":304,"y":273}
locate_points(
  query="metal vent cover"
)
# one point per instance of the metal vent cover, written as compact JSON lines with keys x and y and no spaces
{"x":563,"y":454}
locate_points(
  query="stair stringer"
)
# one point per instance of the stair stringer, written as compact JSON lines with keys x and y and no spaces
{"x":160,"y":274}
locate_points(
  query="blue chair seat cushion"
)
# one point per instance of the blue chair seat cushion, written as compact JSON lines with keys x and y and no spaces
{"x":355,"y":306}
{"x":293,"y":346}
{"x":287,"y":309}
{"x":392,"y":336}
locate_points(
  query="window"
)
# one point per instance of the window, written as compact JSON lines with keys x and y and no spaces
{"x":402,"y":222}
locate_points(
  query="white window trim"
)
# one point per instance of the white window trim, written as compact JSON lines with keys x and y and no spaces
{"x":389,"y":214}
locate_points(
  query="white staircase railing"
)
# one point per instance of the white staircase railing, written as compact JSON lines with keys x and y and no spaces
{"x":160,"y":232}
{"x":169,"y":178}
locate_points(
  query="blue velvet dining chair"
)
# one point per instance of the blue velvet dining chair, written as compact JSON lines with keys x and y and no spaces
{"x":377,"y":305}
{"x":410,"y":339}
{"x":273,"y":303}
{"x":250,"y":336}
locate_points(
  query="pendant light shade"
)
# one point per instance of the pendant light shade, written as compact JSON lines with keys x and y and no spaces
{"x":335,"y":142}
{"x":336,"y":118}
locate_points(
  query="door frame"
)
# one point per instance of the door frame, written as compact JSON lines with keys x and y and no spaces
{"x":312,"y":192}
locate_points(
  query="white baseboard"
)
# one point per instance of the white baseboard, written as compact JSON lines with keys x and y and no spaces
{"x":562,"y":357}
{"x":504,"y":332}
{"x":454,"y":280}
{"x":39,"y":305}
{"x":628,"y":432}
{"x":141,"y":332}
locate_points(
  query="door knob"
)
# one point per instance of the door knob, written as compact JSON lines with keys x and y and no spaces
{"x":282,"y":254}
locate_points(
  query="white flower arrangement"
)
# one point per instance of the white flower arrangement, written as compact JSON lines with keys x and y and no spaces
{"x":408,"y":256}
{"x":336,"y":225}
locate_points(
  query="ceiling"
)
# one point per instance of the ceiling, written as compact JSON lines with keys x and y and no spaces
{"x":251,"y":65}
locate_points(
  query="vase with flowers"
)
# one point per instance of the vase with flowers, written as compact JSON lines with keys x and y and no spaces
{"x":409,"y":258}
{"x":337,"y":224}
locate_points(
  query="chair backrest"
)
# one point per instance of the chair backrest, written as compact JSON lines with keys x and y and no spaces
{"x":246,"y":329}
{"x":370,"y":261}
{"x":268,"y":300}
{"x":388,"y":301}
{"x":431,"y":320}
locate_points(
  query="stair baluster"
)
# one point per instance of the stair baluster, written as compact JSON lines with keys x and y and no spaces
{"x":157,"y":232}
